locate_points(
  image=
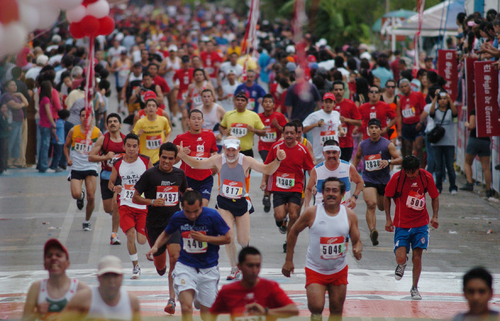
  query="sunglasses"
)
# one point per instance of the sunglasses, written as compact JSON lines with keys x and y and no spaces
{"x":373,"y":92}
{"x":390,"y":87}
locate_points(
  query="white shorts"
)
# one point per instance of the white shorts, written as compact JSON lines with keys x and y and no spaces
{"x":205,"y":282}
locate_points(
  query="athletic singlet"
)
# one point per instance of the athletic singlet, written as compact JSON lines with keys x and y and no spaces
{"x":80,"y":149}
{"x":232,"y":180}
{"x":55,"y":305}
{"x":209,"y":119}
{"x":394,"y":106}
{"x":99,"y":310}
{"x":123,"y":71}
{"x":133,"y":83}
{"x":328,"y":235}
{"x":130,"y":174}
{"x":110,"y":146}
{"x":169,"y":75}
{"x":196,"y":95}
{"x":342,"y":173}
{"x":373,"y":153}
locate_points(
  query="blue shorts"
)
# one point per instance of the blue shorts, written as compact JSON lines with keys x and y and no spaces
{"x":204,"y":186}
{"x":416,"y":236}
{"x":237,"y":207}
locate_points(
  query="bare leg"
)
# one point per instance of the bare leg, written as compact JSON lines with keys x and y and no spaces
{"x":90,"y":185}
{"x":231,"y":247}
{"x":173,"y":255}
{"x":337,"y":295}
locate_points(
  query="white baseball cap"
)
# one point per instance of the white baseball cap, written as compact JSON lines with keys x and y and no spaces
{"x":109,"y":264}
{"x":42,"y":60}
{"x":232,"y":143}
{"x":172,"y":48}
{"x":290,"y":49}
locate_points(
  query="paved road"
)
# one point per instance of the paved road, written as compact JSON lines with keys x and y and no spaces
{"x":35,"y":207}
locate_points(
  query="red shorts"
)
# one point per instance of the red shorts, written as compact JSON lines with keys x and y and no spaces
{"x":338,"y":278}
{"x":132,"y":217}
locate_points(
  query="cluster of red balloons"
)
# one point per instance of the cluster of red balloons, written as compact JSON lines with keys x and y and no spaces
{"x":90,"y":19}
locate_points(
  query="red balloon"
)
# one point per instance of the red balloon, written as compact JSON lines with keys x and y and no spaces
{"x":76,"y":30}
{"x":87,"y":2}
{"x":8,"y":11}
{"x":106,"y":26}
{"x":90,"y":25}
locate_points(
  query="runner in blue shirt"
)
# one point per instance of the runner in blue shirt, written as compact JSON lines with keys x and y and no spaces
{"x":254,"y":92}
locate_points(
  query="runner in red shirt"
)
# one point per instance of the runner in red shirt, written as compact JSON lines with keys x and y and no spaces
{"x":408,"y":188}
{"x":142,"y":112}
{"x":160,"y":81}
{"x":182,"y":78}
{"x":252,"y":296}
{"x":376,"y":109}
{"x":288,"y":180}
{"x":273,"y":124}
{"x":200,"y":144}
{"x":349,"y":117}
{"x":211,"y":62}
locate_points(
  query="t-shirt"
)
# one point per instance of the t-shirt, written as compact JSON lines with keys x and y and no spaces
{"x":348,"y":109}
{"x":411,"y":107}
{"x":155,"y":183}
{"x":17,"y":114}
{"x":153,"y":136}
{"x":183,"y":77}
{"x":272,"y":133}
{"x":233,"y":297}
{"x":228,"y":90}
{"x":115,"y":53}
{"x":253,"y":93}
{"x":237,"y":124}
{"x":411,"y":210}
{"x":202,"y":146}
{"x":160,"y":81}
{"x":226,"y":66}
{"x":130,"y":173}
{"x":381,"y":111}
{"x":326,"y":132}
{"x":44,"y":118}
{"x":289,"y":177}
{"x":200,"y":255}
{"x":209,"y":60}
{"x":302,"y":104}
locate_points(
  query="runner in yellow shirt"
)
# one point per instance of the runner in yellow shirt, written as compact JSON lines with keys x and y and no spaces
{"x":153,"y":130}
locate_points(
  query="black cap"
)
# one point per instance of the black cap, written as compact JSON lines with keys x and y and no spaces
{"x":185,"y":59}
{"x":241,"y":94}
{"x":137,"y":64}
{"x":428,"y":58}
{"x":124,"y":52}
{"x":374,"y":121}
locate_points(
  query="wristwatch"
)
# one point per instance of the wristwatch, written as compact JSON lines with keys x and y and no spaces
{"x":389,"y":161}
{"x":355,"y":196}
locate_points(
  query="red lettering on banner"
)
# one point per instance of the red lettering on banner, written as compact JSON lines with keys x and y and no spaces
{"x":469,"y":84}
{"x":487,"y":109}
{"x":447,"y":67}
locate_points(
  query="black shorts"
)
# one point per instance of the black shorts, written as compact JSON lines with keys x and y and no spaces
{"x":153,"y":232}
{"x":204,"y":186}
{"x":346,"y":153}
{"x":81,"y":175}
{"x":263,"y":154}
{"x":237,"y":207}
{"x":380,"y":187}
{"x":106,"y":193}
{"x":409,"y":131}
{"x":281,"y":198}
{"x":248,"y":152}
{"x":119,"y":90}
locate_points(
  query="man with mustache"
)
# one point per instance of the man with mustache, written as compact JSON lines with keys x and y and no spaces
{"x":330,"y":226}
{"x":333,"y":166}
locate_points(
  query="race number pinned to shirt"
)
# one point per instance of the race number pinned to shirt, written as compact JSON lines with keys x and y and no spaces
{"x":345,"y":128}
{"x":197,"y":100}
{"x":285,"y":180}
{"x":232,"y":189}
{"x":327,"y":135}
{"x":200,"y":155}
{"x":83,"y":146}
{"x":153,"y":142}
{"x":192,"y":246}
{"x":415,"y":201}
{"x":251,"y":104}
{"x":373,"y":114}
{"x":184,"y":95}
{"x":408,"y":112}
{"x":239,"y":130}
{"x":169,"y":193}
{"x":332,"y":248}
{"x":372,"y":162}
{"x":111,"y":162}
{"x":271,"y":135}
{"x":127,"y":192}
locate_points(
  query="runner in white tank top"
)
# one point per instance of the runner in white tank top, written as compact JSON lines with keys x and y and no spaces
{"x":331,"y":227}
{"x":212,"y":114}
{"x":100,"y":310}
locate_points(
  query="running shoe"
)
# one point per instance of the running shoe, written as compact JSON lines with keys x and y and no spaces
{"x":80,"y":201}
{"x":490,"y":193}
{"x":114,"y":239}
{"x":86,"y":226}
{"x":170,"y":307}
{"x":400,"y":271}
{"x":283,"y":226}
{"x":162,"y":271}
{"x":136,"y":272}
{"x":235,"y":273}
{"x":266,"y":201}
{"x":284,"y":247}
{"x":415,"y":295}
{"x":467,"y":187}
{"x":374,"y":237}
{"x":454,"y":192}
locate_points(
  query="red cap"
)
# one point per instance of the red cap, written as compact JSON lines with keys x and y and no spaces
{"x":149,"y":95}
{"x":329,"y":96}
{"x":311,"y":58}
{"x":54,"y":243}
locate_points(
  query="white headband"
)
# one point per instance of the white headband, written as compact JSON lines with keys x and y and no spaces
{"x":331,"y":147}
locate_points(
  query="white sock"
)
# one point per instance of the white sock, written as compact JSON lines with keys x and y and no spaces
{"x":134,"y":257}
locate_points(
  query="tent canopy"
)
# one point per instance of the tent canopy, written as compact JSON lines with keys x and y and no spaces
{"x":435,"y":20}
{"x":398,"y":14}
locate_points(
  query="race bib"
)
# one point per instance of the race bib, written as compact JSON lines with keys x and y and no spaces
{"x":345,"y":129}
{"x":408,"y":113}
{"x":169,"y":193}
{"x":232,"y":189}
{"x":199,"y":155}
{"x":127,"y":192}
{"x":251,"y":103}
{"x":332,"y":248}
{"x":285,"y":180}
{"x":83,"y":146}
{"x":210,"y":70}
{"x":415,"y":201}
{"x":111,"y":162}
{"x":327,"y":135}
{"x":153,"y":142}
{"x":373,"y":114}
{"x":191,"y":246}
{"x":372,"y":162}
{"x":239,"y":130}
{"x":230,"y":99}
{"x":200,"y":148}
{"x":186,"y":82}
{"x":184,"y":95}
{"x":271,"y":135}
{"x":197,"y":100}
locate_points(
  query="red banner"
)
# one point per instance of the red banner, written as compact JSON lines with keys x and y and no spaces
{"x":469,"y":84}
{"x":448,"y":69}
{"x":487,"y":110}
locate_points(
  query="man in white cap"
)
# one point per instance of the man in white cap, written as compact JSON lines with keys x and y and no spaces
{"x":226,"y":91}
{"x":41,"y":61}
{"x":49,"y":296}
{"x":363,"y":52}
{"x":231,"y":65}
{"x":108,"y":301}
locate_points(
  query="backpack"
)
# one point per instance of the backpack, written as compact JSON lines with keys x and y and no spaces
{"x":398,"y":192}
